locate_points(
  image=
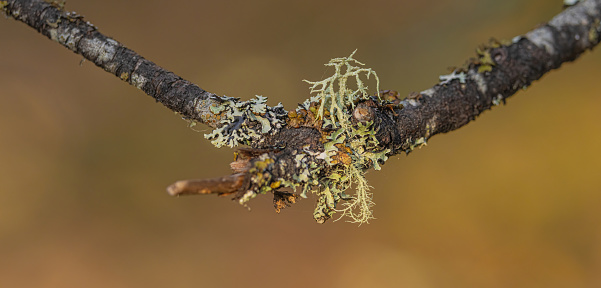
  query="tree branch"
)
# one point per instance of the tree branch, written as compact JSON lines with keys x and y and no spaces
{"x":328,"y":142}
{"x":72,"y":31}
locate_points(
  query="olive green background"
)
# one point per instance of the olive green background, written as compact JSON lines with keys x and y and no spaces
{"x":511,"y":200}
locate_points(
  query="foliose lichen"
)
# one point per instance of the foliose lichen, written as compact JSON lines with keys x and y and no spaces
{"x":243,"y":122}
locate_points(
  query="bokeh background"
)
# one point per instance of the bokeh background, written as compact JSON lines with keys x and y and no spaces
{"x":510,"y":200}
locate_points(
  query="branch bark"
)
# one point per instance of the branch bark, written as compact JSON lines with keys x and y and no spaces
{"x":80,"y":36}
{"x":299,"y":147}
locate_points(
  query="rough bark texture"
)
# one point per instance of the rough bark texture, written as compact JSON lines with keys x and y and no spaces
{"x":515,"y":66}
{"x":280,"y":139}
{"x":446,"y":107}
{"x":72,"y":31}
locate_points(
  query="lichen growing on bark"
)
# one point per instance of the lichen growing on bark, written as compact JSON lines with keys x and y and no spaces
{"x":243,"y":122}
{"x":335,"y":94}
{"x":350,"y":145}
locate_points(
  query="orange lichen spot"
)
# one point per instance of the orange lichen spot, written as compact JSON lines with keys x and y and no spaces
{"x":282,"y":200}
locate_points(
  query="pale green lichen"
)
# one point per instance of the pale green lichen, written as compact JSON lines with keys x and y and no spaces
{"x":445,"y":79}
{"x":243,"y":122}
{"x":568,"y":3}
{"x":359,"y":209}
{"x":411,"y":144}
{"x":497,"y":100}
{"x":419,"y":143}
{"x":349,"y":149}
{"x":335,"y":94}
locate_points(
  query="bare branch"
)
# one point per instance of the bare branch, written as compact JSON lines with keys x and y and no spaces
{"x":80,"y":36}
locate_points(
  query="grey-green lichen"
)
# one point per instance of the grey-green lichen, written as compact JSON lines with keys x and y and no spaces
{"x":445,"y":79}
{"x":244,"y":122}
{"x":497,"y":100}
{"x":349,"y":149}
{"x":334,"y":93}
{"x":568,"y":3}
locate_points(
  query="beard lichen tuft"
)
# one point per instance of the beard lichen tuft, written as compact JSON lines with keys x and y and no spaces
{"x":350,"y":147}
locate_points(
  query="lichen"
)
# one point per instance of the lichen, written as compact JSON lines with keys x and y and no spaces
{"x":350,"y":146}
{"x":243,"y":122}
{"x":138,"y":80}
{"x":52,"y":24}
{"x":349,"y":149}
{"x":497,"y":100}
{"x":593,"y":33}
{"x":567,"y":3}
{"x":60,"y":5}
{"x":485,"y":61}
{"x":446,"y":79}
{"x":335,"y":94}
{"x":359,"y":209}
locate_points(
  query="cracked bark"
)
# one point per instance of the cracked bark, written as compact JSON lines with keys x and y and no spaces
{"x":499,"y":71}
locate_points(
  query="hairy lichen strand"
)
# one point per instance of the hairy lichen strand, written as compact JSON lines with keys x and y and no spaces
{"x":349,"y":149}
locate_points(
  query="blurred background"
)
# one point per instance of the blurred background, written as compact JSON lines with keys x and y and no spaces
{"x":510,"y":200}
